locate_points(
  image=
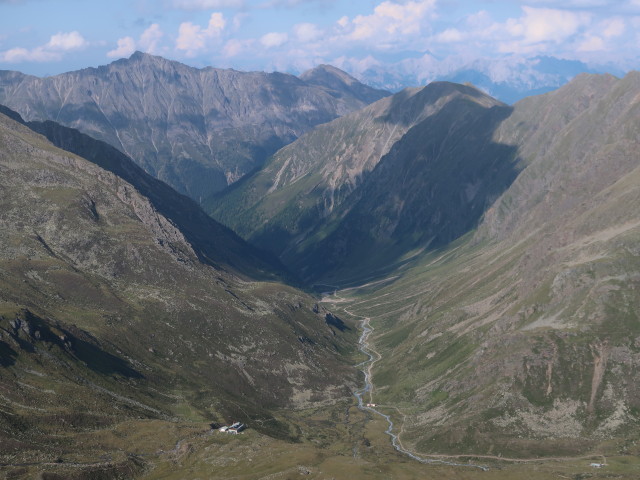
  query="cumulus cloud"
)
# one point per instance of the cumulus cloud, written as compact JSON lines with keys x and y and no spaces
{"x":126,"y":46}
{"x":291,"y":3}
{"x":450,"y":35}
{"x":344,"y":21}
{"x":546,"y":24}
{"x":592,"y":43}
{"x":53,"y":50}
{"x":274,"y":39}
{"x":613,"y":27}
{"x":391,"y":18}
{"x":150,"y":38}
{"x":193,"y":38}
{"x":235,"y":47}
{"x":66,"y":41}
{"x":307,"y":32}
{"x":149,"y":41}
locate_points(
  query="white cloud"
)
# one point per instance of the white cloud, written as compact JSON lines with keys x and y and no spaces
{"x":149,"y":41}
{"x":274,"y":39}
{"x":291,"y":3}
{"x":235,"y":47}
{"x":126,"y":46}
{"x":306,"y":32}
{"x":391,"y":24}
{"x":450,"y":35}
{"x":592,"y":43}
{"x":150,"y":38}
{"x":344,"y":21}
{"x":38,"y":54}
{"x":193,"y":38}
{"x":392,"y":18}
{"x":66,"y":41}
{"x":207,"y":4}
{"x":53,"y":50}
{"x":238,"y":18}
{"x":478,"y":20}
{"x":613,"y":27}
{"x":546,"y":25}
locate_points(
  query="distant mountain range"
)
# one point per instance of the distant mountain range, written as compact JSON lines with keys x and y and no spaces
{"x":198,"y":130}
{"x":508,"y":79}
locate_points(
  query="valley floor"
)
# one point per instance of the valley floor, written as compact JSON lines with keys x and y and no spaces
{"x":344,"y":441}
{"x":339,"y":443}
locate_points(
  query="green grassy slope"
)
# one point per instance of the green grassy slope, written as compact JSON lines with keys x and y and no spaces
{"x":523,"y":338}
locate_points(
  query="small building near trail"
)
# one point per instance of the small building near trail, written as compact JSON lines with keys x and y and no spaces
{"x":234,"y":428}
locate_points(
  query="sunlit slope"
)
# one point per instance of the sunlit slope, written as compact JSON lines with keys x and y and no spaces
{"x":107,"y":315}
{"x":199,"y":130}
{"x":523,"y":338}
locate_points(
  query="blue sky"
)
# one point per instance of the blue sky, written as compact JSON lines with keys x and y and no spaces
{"x":45,"y":37}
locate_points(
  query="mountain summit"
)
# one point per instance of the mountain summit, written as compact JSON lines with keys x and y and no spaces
{"x":199,"y":130}
{"x":335,"y":80}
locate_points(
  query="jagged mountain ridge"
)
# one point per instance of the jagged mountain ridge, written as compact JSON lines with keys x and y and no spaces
{"x":196,"y":129}
{"x":412,"y":169}
{"x":108,"y":316}
{"x":508,"y":79}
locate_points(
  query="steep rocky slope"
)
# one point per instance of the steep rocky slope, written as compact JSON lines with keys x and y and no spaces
{"x":197,"y":129}
{"x":523,"y":339}
{"x":108,"y":316}
{"x":213,"y":243}
{"x":415,"y":169}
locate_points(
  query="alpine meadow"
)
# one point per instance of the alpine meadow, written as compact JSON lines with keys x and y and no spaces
{"x":377,"y":257}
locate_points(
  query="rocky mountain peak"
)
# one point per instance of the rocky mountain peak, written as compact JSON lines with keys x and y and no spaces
{"x":327,"y":73}
{"x":199,"y":130}
{"x":340,"y":82}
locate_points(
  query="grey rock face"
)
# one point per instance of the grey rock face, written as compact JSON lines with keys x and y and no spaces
{"x":197,"y":129}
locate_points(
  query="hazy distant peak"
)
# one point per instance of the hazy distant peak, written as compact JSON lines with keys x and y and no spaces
{"x":328,"y":72}
{"x":441,"y":91}
{"x":338,"y":81}
{"x":139,"y":56}
{"x":147,"y":59}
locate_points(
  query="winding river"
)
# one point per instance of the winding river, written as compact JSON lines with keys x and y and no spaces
{"x":366,"y":367}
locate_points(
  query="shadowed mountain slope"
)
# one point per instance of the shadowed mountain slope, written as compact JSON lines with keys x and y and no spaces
{"x":414,"y":169}
{"x":213,"y":243}
{"x":523,"y":339}
{"x":108,"y":316}
{"x":196,"y":129}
